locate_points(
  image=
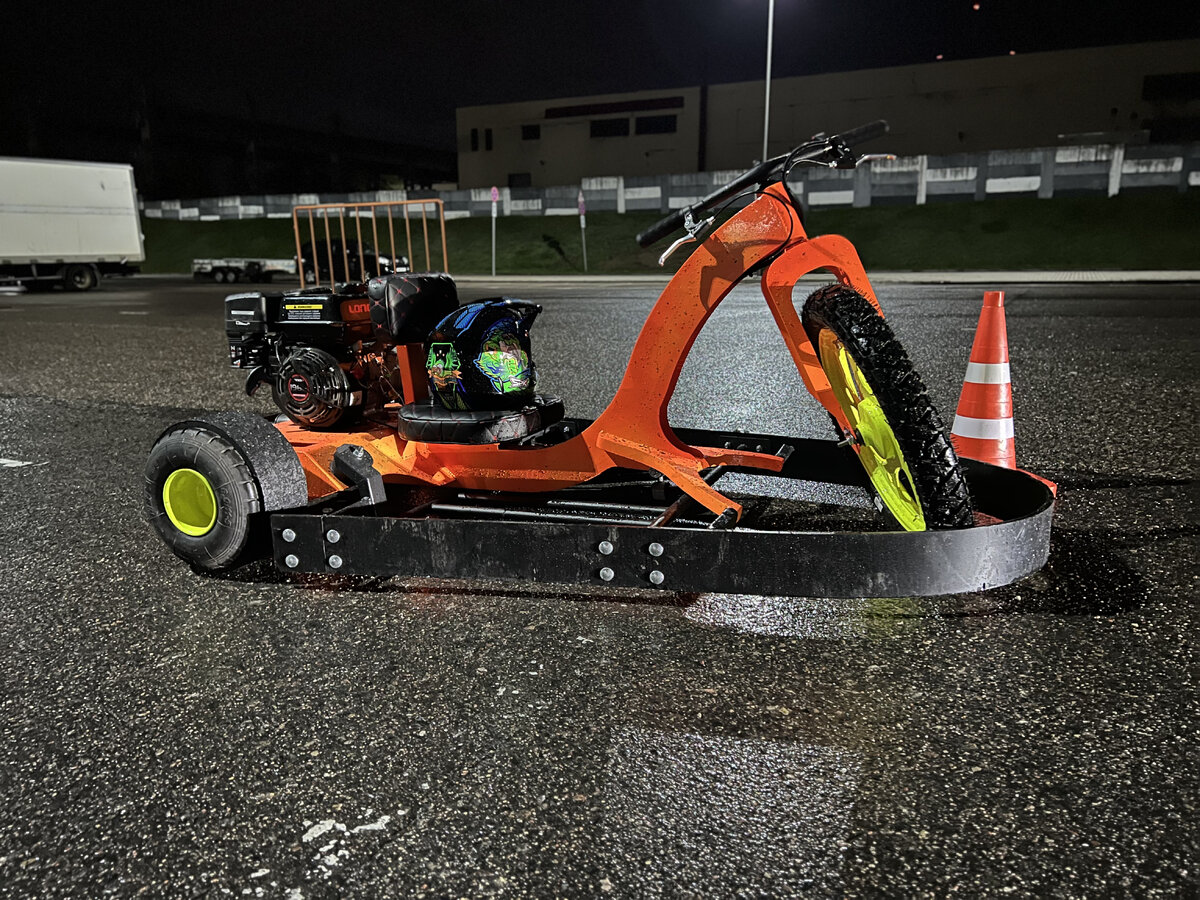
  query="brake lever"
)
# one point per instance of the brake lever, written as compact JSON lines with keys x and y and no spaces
{"x":694,"y":230}
{"x":873,"y":157}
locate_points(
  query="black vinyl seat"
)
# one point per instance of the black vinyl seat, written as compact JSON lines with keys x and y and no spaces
{"x":406,"y":307}
{"x":432,"y":423}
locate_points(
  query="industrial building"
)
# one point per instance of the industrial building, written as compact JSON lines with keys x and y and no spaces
{"x":1126,"y":94}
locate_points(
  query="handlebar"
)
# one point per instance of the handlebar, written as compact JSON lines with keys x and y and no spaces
{"x":812,"y":149}
{"x":868,"y":132}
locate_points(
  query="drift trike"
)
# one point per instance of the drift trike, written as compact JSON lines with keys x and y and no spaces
{"x":411,"y":442}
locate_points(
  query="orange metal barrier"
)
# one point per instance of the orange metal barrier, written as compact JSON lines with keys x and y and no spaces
{"x":347,"y":258}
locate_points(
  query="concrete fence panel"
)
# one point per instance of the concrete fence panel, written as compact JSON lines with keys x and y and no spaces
{"x":1044,"y":172}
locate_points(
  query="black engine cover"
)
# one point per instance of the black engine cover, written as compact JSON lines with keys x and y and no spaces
{"x":313,"y":389}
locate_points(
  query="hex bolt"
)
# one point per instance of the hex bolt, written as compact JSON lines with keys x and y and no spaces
{"x":335,"y":562}
{"x":358,"y":451}
{"x":655,"y":549}
{"x":288,"y":535}
{"x":607,"y":574}
{"x":657,"y":577}
{"x":291,"y":560}
{"x":333,"y":535}
{"x":606,"y":549}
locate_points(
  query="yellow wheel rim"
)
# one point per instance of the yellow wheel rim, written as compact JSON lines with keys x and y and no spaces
{"x":189,"y":501}
{"x":875,"y":442}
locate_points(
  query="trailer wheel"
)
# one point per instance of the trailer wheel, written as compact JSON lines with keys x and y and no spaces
{"x":79,"y":277}
{"x":899,"y":436}
{"x":201,"y":496}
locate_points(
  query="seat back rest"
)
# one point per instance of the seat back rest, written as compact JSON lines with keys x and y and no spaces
{"x":405,"y":308}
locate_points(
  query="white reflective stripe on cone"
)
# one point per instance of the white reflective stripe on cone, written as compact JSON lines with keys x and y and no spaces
{"x":988,"y":373}
{"x":983,"y":429}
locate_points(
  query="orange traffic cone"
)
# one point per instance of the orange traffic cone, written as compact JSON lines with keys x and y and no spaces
{"x":983,"y":425}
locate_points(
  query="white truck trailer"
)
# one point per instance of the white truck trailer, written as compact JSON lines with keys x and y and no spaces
{"x":67,"y":223}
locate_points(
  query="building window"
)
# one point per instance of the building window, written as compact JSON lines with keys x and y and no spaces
{"x":655,"y":125}
{"x":520,"y":180}
{"x":610,"y":127}
{"x":474,"y":139}
{"x":531,"y":132}
{"x":1181,"y":86}
{"x":621,"y":106}
{"x":487,"y":139}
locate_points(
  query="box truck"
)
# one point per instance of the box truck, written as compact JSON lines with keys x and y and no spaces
{"x":67,"y":223}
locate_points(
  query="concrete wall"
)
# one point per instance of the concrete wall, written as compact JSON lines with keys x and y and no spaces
{"x":1092,"y":170}
{"x":1027,"y":100}
{"x":940,"y":107}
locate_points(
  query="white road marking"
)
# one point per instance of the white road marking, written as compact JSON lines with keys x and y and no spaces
{"x":17,"y":463}
{"x":134,"y":312}
{"x":322,"y":827}
{"x":372,"y":826}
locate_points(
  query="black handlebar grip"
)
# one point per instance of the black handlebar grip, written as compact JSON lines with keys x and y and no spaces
{"x":661,"y":228}
{"x":867,"y":132}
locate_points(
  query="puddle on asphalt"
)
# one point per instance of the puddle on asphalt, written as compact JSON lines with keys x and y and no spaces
{"x":721,"y":816}
{"x":1082,"y":577}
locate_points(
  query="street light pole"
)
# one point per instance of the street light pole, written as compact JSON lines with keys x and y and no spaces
{"x":767,"y":101}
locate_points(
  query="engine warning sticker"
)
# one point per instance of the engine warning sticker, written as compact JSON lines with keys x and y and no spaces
{"x":303,"y":311}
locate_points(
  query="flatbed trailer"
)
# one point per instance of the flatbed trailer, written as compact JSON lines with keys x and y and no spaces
{"x":232,"y":269}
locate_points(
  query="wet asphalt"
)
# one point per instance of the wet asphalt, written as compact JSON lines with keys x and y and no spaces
{"x":168,"y":734}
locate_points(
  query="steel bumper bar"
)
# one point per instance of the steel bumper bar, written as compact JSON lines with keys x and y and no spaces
{"x":1012,"y":542}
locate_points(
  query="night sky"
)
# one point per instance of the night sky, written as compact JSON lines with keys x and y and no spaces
{"x":398,"y":70}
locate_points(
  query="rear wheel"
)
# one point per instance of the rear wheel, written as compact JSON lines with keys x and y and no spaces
{"x":898,"y":435}
{"x":201,"y":496}
{"x":79,"y":277}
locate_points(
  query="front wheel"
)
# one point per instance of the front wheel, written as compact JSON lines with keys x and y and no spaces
{"x":898,"y":435}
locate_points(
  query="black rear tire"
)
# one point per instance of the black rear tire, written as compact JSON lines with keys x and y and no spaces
{"x":237,"y":495}
{"x":80,"y":277}
{"x":937,"y":477}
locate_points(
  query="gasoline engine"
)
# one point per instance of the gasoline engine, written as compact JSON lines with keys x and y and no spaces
{"x":331,"y":355}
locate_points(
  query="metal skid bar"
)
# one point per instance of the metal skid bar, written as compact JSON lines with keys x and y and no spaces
{"x":612,"y":541}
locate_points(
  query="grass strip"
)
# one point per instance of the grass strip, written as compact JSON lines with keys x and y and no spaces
{"x":1150,"y":230}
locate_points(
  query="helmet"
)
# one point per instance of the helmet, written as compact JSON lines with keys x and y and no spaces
{"x":479,"y":356}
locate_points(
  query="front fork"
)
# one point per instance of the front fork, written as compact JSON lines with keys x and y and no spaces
{"x":831,"y":253}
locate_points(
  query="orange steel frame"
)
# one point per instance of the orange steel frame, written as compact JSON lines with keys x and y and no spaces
{"x":633,"y":432}
{"x":323,"y":212}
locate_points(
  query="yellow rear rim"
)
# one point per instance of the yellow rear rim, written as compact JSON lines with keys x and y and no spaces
{"x":875,"y":442}
{"x":189,"y":501}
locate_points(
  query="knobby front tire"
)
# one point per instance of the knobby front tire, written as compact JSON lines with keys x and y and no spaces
{"x":898,"y":434}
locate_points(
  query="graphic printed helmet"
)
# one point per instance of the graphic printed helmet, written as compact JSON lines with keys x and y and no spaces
{"x":480,"y":357}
